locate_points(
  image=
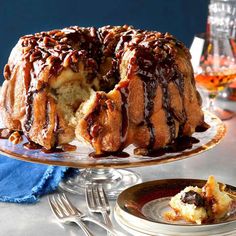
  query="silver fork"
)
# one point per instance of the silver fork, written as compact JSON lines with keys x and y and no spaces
{"x":66,"y":212}
{"x":97,"y":202}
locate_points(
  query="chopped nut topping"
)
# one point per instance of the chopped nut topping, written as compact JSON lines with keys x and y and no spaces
{"x":15,"y":137}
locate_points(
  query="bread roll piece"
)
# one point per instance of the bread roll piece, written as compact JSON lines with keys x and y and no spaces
{"x":200,"y":205}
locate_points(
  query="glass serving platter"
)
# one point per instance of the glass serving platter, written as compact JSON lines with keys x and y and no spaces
{"x":80,"y":158}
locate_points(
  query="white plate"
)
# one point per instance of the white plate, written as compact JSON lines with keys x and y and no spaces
{"x":139,"y":209}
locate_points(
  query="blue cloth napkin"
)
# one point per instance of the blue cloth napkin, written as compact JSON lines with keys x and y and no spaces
{"x":25,"y":182}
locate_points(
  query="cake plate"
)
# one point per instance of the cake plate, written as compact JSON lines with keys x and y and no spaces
{"x":105,"y":171}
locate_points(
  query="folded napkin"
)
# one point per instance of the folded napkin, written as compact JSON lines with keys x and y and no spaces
{"x":25,"y":182}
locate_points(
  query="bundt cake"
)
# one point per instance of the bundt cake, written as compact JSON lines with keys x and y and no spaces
{"x":111,"y":87}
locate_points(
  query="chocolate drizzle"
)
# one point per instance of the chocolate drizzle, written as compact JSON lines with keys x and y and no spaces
{"x":155,"y":57}
{"x":124,"y":92}
{"x":29,"y":118}
{"x":46,"y":114}
{"x":56,"y":130}
{"x":178,"y":145}
{"x":109,"y":154}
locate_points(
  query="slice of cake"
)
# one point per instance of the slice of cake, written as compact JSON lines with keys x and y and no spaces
{"x":200,"y":205}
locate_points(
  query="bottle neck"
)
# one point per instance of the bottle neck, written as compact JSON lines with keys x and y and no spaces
{"x":221,"y":19}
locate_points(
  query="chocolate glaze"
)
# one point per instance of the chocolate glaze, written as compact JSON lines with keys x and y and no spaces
{"x":53,"y":150}
{"x":153,"y":72}
{"x":178,"y":145}
{"x":56,"y":130}
{"x":29,"y":118}
{"x":46,"y":114}
{"x":124,"y":92}
{"x":202,"y":128}
{"x":109,"y":154}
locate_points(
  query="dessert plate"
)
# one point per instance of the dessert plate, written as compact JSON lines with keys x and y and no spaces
{"x":80,"y":158}
{"x":139,"y":209}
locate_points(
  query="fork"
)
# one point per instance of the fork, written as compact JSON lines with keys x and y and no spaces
{"x":97,"y":202}
{"x":66,"y":212}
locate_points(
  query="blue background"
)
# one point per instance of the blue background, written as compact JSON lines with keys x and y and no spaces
{"x":182,"y":18}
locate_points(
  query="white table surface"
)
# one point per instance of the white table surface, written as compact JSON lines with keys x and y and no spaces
{"x":38,"y":220}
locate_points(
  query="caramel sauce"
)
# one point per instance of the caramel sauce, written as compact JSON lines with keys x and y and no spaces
{"x":63,"y":148}
{"x":32,"y":146}
{"x":92,"y":117}
{"x":68,"y":147}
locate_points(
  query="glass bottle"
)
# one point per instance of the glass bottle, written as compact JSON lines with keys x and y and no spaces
{"x":227,"y":17}
{"x":213,"y":59}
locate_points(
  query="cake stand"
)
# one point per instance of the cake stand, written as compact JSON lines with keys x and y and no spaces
{"x":105,"y":171}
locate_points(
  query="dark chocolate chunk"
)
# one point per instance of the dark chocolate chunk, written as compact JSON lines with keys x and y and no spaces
{"x":192,"y":197}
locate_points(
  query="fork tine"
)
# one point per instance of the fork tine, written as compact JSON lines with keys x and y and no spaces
{"x":104,"y":198}
{"x":54,"y":207}
{"x":89,"y":196}
{"x":97,"y":196}
{"x":69,"y":206}
{"x":62,"y":205}
{"x":69,"y":203}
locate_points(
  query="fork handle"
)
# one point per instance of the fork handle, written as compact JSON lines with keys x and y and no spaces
{"x":84,"y":227}
{"x":106,"y":227}
{"x":107,"y":220}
